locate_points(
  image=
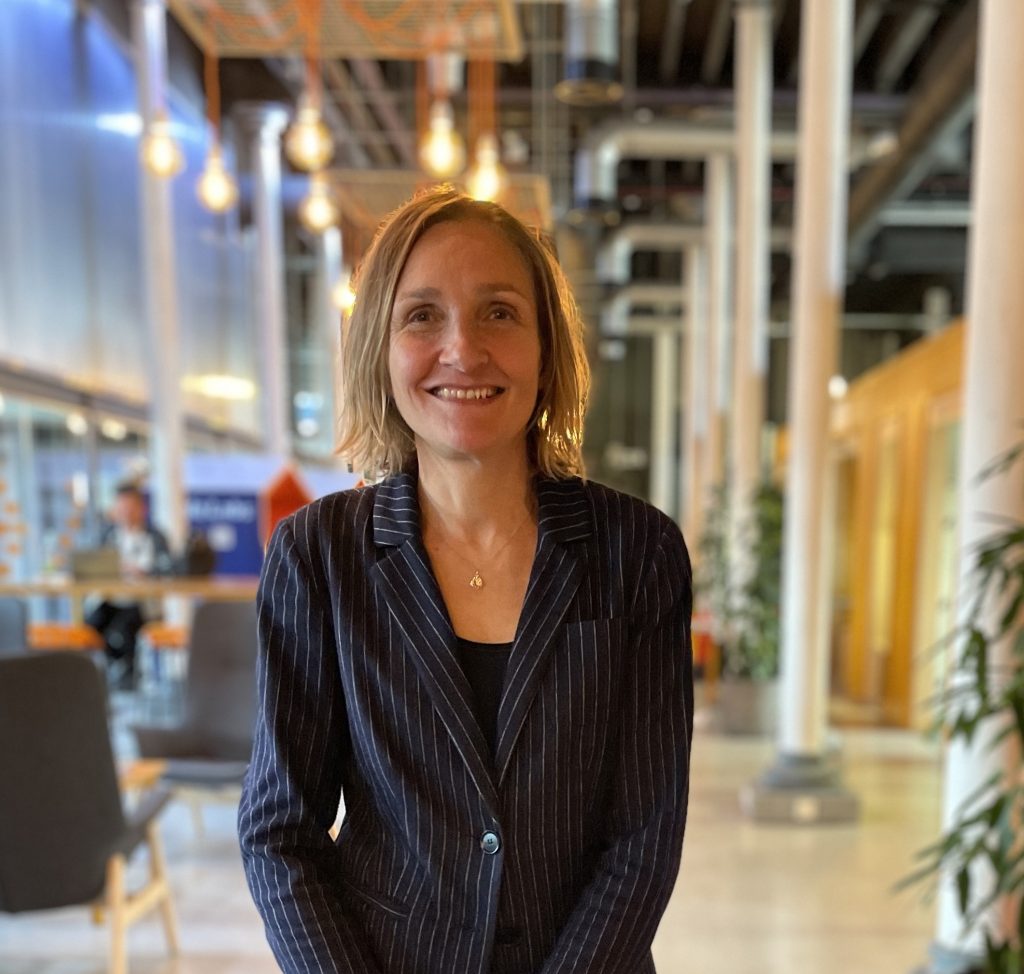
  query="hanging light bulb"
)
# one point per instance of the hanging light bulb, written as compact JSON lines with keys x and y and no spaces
{"x":216,"y":189}
{"x":442,"y":152}
{"x":308,"y":143}
{"x":160,"y":152}
{"x":342,"y":295}
{"x":487,"y":179}
{"x":318,"y":210}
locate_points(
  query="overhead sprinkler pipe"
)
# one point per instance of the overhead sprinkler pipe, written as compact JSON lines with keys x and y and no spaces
{"x":598,"y":158}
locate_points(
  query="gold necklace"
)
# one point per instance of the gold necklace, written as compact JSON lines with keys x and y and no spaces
{"x":476,"y":580}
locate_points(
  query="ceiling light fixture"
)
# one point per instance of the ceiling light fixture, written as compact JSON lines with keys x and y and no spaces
{"x":159,"y":150}
{"x":308,"y":143}
{"x":216,"y":188}
{"x":318,"y":210}
{"x":487,"y":179}
{"x":442,"y":152}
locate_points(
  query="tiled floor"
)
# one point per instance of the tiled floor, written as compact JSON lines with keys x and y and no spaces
{"x":750,"y":899}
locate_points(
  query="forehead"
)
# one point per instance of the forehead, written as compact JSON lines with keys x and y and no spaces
{"x":466,"y":245}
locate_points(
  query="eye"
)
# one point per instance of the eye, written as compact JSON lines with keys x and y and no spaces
{"x":503,"y":312}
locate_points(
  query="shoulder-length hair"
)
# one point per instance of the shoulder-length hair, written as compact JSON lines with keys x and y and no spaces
{"x":372,"y":434}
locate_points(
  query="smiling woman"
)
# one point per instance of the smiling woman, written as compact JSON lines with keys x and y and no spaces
{"x":487,"y":657}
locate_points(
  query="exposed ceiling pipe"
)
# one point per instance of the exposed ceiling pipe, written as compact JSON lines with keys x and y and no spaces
{"x":598,"y":158}
{"x":667,"y":302}
{"x":614,"y":255}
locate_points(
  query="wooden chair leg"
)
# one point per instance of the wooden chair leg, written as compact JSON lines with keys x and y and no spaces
{"x":117,"y":908}
{"x":158,"y":870}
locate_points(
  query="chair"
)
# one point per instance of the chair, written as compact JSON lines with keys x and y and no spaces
{"x":64,"y":836}
{"x":13,"y":626}
{"x":208,"y":753}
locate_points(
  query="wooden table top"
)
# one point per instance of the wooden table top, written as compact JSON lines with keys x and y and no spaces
{"x":222,"y":588}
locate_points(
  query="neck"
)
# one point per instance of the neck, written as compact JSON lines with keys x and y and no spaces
{"x":475,"y":501}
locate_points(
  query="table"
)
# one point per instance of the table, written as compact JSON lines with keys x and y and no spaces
{"x":214,"y":588}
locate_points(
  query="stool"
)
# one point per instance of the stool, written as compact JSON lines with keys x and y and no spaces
{"x":73,"y":636}
{"x":163,"y":660}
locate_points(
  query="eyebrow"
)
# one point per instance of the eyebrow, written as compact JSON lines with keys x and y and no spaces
{"x":429,"y":293}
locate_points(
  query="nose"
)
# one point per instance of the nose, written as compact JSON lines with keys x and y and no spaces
{"x":464,"y":348}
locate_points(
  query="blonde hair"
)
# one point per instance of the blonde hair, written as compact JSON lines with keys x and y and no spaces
{"x":372,"y":434}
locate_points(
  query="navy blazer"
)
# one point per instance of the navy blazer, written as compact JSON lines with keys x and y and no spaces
{"x":560,"y":854}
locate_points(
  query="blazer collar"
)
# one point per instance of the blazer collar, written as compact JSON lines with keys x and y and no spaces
{"x":563,"y":510}
{"x":415,"y":602}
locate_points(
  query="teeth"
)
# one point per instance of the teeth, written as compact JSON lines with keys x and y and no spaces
{"x":446,"y":392}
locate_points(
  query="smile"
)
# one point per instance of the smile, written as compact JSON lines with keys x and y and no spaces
{"x":451,"y":393}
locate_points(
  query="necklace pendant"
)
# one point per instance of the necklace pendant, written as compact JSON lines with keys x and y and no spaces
{"x":476,"y":581}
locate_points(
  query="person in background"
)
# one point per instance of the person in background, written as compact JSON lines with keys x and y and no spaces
{"x":486,"y":656}
{"x":143,"y":551}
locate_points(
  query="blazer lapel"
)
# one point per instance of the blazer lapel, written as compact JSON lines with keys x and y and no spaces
{"x":564,"y":517}
{"x":414,"y":600}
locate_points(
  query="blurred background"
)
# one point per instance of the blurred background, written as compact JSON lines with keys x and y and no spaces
{"x":766,"y":219}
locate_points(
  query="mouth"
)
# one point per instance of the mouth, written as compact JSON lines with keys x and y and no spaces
{"x":464,"y":394}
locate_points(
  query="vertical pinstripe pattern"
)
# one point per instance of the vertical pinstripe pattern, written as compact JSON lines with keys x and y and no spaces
{"x":361,"y":693}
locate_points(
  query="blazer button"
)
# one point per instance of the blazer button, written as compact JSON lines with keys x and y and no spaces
{"x":490,"y":843}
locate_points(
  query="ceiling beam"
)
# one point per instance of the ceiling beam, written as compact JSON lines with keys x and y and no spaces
{"x":717,"y":44}
{"x":672,"y":39}
{"x":904,"y":46}
{"x":942,"y":98}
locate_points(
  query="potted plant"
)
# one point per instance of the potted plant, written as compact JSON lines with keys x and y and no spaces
{"x":987,"y":836}
{"x":745,"y":612}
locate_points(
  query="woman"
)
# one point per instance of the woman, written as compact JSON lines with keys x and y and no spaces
{"x":485,"y":656}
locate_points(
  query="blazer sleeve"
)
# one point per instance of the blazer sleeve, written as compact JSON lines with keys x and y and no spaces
{"x":291,"y":792}
{"x":611,"y":929}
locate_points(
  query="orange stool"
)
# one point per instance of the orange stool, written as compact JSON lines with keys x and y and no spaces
{"x":75,"y":636}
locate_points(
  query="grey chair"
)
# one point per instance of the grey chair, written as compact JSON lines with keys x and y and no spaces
{"x":208,"y":752}
{"x":64,"y":835}
{"x":13,"y":626}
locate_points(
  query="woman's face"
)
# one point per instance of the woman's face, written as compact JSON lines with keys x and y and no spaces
{"x":464,"y":358}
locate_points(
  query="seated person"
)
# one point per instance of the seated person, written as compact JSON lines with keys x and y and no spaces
{"x":143,"y":550}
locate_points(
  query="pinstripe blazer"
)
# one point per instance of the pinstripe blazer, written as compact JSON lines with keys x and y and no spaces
{"x":557,"y":856}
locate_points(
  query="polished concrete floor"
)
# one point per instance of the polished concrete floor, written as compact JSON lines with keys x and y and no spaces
{"x":750,"y":899}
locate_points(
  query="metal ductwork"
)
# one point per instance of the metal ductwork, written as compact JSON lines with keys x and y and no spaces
{"x":598,"y":158}
{"x":614,"y":256}
{"x":666,"y":302}
{"x":591,"y":75}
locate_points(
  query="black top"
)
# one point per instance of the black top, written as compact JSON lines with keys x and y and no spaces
{"x":484,"y":665}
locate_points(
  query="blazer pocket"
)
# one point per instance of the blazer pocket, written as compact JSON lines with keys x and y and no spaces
{"x":374,"y":899}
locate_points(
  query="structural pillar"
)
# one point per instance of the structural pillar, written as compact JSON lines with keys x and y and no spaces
{"x":329,"y":331}
{"x":718,"y":185}
{"x":802,"y":786}
{"x":160,"y":281}
{"x":750,"y":362}
{"x":696,"y":408}
{"x":993,"y":417}
{"x":265,"y":123}
{"x":664,"y":397}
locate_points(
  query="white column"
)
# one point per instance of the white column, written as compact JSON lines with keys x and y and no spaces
{"x":819,"y":277}
{"x":266,"y":122}
{"x":696,"y":408}
{"x":753,"y":117}
{"x":993,"y":391}
{"x":802,"y":786}
{"x":718,"y":185}
{"x":167,"y":440}
{"x":330,"y":324}
{"x":664,"y":375}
